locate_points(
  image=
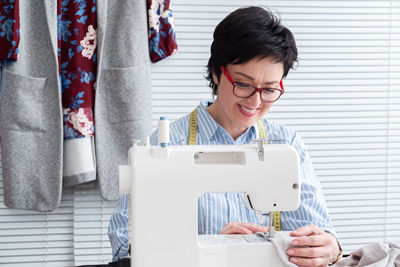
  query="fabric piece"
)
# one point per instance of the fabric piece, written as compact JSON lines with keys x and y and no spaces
{"x":31,"y":163}
{"x":9,"y":31}
{"x":282,"y":242}
{"x":123,"y":109}
{"x":78,"y":123}
{"x":162,"y":38}
{"x":79,"y":161}
{"x":31,"y":115}
{"x":373,"y":255}
{"x":217,"y":209}
{"x":77,"y":56}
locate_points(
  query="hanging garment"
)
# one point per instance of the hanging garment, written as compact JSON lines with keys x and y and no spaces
{"x":9,"y":31}
{"x":377,"y":254}
{"x":162,"y":39}
{"x":31,"y":109}
{"x":77,"y":59}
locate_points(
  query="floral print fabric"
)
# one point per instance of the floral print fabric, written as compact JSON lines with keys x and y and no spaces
{"x":9,"y":31}
{"x":77,"y":25}
{"x":162,"y":39}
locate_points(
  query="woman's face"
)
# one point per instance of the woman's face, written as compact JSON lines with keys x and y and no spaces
{"x":236,"y":114}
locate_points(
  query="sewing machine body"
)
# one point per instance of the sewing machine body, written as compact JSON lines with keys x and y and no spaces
{"x":164,"y":186}
{"x":237,"y":251}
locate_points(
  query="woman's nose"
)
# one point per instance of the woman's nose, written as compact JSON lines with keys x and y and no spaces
{"x":256,"y":98}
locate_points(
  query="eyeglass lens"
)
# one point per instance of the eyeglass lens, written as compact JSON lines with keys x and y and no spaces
{"x":246,"y":90}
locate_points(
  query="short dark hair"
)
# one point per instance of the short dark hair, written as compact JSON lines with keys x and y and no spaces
{"x":248,"y":33}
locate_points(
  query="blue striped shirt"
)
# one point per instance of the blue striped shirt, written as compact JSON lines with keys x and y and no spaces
{"x":215,"y":210}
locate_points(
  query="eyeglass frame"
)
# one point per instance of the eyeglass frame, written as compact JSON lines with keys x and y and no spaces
{"x":256,"y":89}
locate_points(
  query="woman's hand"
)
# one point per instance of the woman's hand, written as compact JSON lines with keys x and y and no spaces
{"x":242,"y":228}
{"x":314,"y":247}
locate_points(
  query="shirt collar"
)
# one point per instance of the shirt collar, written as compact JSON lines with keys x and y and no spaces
{"x":210,"y":126}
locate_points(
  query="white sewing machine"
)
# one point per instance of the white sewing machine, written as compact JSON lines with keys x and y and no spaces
{"x":165,"y":183}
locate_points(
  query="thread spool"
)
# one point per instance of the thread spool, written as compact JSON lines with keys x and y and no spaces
{"x":163,"y":131}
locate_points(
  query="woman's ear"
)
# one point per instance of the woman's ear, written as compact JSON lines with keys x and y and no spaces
{"x":215,"y":78}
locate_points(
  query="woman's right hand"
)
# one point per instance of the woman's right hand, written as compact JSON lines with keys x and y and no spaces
{"x":243,"y":228}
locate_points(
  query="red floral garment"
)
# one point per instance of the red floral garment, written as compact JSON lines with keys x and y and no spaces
{"x":77,"y":25}
{"x":9,"y":31}
{"x":162,"y":39}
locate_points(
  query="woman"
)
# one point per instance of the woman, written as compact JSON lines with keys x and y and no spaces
{"x":250,"y":54}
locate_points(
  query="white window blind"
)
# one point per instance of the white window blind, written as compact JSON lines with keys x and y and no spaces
{"x":29,"y":238}
{"x":343,"y":99}
{"x":91,"y":217}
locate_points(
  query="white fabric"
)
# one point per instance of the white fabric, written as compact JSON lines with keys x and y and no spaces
{"x":78,"y":161}
{"x":282,"y":242}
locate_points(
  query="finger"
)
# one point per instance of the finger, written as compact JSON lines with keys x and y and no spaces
{"x":310,"y":252}
{"x":254,"y":227}
{"x":313,"y":241}
{"x":312,"y":262}
{"x":235,"y":229}
{"x":306,"y":230}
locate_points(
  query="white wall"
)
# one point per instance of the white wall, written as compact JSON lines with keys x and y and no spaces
{"x":343,"y":99}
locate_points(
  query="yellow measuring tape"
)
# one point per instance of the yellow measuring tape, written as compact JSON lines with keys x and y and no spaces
{"x":276,"y":219}
{"x":193,"y":127}
{"x":263,"y":135}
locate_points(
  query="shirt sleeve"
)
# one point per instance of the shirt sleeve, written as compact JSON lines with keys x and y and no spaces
{"x":118,"y":231}
{"x":313,"y":209}
{"x":162,"y":40}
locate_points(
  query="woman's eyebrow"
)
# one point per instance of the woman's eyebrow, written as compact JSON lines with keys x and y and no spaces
{"x":252,"y":79}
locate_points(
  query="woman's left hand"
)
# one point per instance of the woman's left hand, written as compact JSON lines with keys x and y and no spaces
{"x":313,"y":247}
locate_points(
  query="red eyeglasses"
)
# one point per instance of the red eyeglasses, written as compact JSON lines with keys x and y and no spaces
{"x":244,"y":90}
